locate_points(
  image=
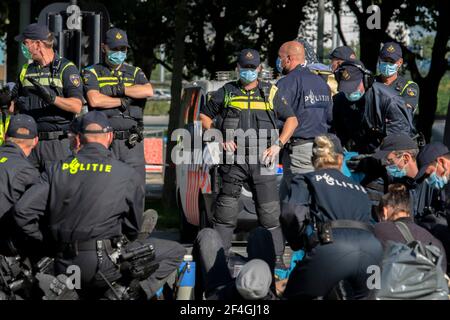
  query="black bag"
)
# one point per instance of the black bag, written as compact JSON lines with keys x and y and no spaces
{"x":412,"y":271}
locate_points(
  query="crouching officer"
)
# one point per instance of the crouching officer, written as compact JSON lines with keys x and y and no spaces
{"x":248,"y":104}
{"x":327,"y":215}
{"x":16,"y":173}
{"x":50,"y":90}
{"x":120,"y":91}
{"x":390,"y":62}
{"x":93,"y":212}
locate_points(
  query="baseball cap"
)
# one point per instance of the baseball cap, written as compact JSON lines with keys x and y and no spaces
{"x":33,"y":31}
{"x":343,"y":53}
{"x":96,"y":117}
{"x":428,"y":154}
{"x":394,"y":142}
{"x":349,"y":76}
{"x":391,"y":50}
{"x":22,"y":121}
{"x":249,"y":58}
{"x":116,"y":38}
{"x":254,"y":280}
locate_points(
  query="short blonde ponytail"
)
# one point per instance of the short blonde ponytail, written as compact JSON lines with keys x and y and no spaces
{"x":324,"y":155}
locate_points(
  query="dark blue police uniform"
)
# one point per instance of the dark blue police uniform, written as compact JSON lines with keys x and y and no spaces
{"x":309,"y":96}
{"x":323,"y":197}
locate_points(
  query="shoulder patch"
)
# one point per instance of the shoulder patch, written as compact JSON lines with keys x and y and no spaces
{"x":75,"y":79}
{"x":411,"y":91}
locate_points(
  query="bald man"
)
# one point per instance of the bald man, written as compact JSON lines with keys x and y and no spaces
{"x":310,"y":98}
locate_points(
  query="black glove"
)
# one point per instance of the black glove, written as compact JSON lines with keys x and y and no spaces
{"x":124,"y":104}
{"x":5,"y":98}
{"x":354,"y":163}
{"x":44,"y":93}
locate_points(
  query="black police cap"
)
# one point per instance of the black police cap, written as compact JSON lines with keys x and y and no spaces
{"x":22,"y":121}
{"x":343,"y":53}
{"x":33,"y":31}
{"x":98,"y":118}
{"x":116,"y":38}
{"x":249,"y":58}
{"x":391,"y":50}
{"x":428,"y":155}
{"x":394,"y":142}
{"x":349,"y":76}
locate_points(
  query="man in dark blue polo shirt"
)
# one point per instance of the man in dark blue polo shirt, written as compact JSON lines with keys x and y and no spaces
{"x":310,"y":98}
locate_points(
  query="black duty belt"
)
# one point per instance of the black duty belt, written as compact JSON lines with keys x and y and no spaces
{"x":122,"y":135}
{"x":350,"y":224}
{"x":52,"y":135}
{"x":299,"y":141}
{"x":70,"y":250}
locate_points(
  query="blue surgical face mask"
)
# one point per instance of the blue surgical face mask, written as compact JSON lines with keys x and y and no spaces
{"x":387,"y":69}
{"x":248,"y":75}
{"x":395,"y":171}
{"x":435,"y":181}
{"x":354,"y":96}
{"x":117,"y":57}
{"x":278,"y":65}
{"x":26,"y":52}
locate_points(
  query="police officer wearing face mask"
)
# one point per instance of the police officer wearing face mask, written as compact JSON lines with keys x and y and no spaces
{"x":389,"y":63}
{"x":120,"y":91}
{"x":249,"y":104}
{"x":310,"y":98}
{"x":50,"y":90}
{"x":400,"y":155}
{"x":365,"y":112}
{"x":327,"y":215}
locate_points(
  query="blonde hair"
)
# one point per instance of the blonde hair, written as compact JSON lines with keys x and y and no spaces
{"x":50,"y":41}
{"x":323,"y":155}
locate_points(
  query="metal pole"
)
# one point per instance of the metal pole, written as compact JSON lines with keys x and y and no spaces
{"x":320,"y":27}
{"x":162,"y":70}
{"x":24,"y":20}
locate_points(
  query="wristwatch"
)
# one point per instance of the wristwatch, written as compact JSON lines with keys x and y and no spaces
{"x":280,"y":143}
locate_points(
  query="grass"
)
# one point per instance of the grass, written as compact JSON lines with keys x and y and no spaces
{"x":443,"y":95}
{"x":166,"y":219}
{"x":157,"y":108}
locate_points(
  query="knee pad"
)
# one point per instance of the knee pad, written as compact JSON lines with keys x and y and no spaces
{"x":231,"y":189}
{"x":269,"y":214}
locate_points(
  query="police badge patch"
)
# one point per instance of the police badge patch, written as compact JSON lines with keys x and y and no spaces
{"x":390,"y":49}
{"x":410,"y":92}
{"x":75,"y":79}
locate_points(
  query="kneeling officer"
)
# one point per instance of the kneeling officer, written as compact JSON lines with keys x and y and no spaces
{"x":92,"y":203}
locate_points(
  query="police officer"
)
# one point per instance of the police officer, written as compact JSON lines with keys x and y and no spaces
{"x":399,"y":154}
{"x":249,"y":104}
{"x":16,"y":173}
{"x":310,"y":98}
{"x":365,"y":111}
{"x":390,"y":62}
{"x":6,"y":109}
{"x":50,"y":90}
{"x":90,"y":201}
{"x":120,"y":91}
{"x":339,"y":55}
{"x":327,"y":215}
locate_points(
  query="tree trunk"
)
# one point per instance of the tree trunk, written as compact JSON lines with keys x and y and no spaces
{"x":430,"y":84}
{"x":175,"y":119}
